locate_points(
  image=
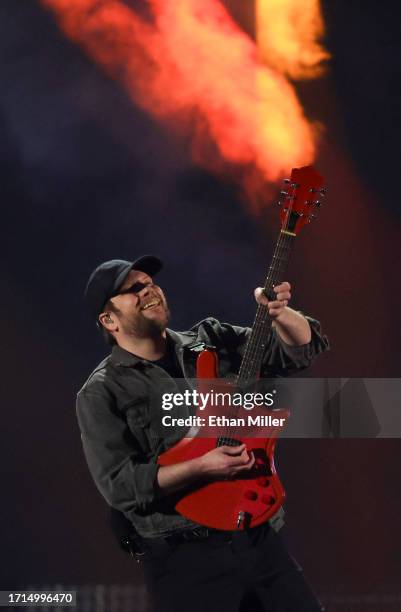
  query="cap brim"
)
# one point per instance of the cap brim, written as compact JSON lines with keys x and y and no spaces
{"x":149,"y":264}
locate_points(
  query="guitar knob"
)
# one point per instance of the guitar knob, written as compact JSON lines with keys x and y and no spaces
{"x":262,"y":481}
{"x":268,"y":499}
{"x":252,"y":495}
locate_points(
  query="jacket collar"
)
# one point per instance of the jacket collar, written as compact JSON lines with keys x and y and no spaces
{"x":122,"y":357}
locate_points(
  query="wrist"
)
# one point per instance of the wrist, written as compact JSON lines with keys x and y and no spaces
{"x":293,"y":328}
{"x":282,"y":318}
{"x":199,"y":466}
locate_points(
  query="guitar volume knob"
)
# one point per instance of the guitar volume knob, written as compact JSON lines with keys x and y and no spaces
{"x":251,"y":495}
{"x":268,"y":500}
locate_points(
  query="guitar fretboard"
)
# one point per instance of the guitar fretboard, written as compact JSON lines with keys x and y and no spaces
{"x":257,"y":342}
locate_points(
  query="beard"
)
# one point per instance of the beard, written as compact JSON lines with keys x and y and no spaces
{"x":141,"y":326}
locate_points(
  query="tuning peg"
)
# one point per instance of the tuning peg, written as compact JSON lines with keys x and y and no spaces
{"x":287,"y":181}
{"x":284,"y":193}
{"x":312,"y":190}
{"x":318,"y":203}
{"x":295,"y":185}
{"x":279,"y":203}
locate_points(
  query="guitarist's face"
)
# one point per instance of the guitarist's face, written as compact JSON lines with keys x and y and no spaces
{"x":141,"y":308}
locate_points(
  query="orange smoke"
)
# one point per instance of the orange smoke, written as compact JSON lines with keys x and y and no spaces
{"x":287,"y":34}
{"x":195,"y":69}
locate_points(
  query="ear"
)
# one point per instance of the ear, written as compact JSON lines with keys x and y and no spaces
{"x":108,"y":321}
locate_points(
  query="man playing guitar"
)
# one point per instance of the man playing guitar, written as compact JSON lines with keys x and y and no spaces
{"x":188,"y":566}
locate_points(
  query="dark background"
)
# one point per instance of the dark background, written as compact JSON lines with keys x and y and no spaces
{"x":86,"y":177}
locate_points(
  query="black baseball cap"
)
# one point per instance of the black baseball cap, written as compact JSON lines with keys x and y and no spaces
{"x":107,"y":278}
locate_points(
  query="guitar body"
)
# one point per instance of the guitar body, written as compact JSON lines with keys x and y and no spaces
{"x":229,"y":504}
{"x":255,"y":497}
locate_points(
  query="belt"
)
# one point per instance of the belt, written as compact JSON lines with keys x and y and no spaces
{"x":141,"y":548}
{"x":198,"y":533}
{"x":203,"y":533}
{"x":137,"y":546}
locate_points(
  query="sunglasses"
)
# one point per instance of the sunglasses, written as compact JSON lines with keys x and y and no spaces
{"x":135,"y":288}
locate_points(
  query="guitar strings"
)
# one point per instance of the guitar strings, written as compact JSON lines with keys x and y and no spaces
{"x":259,"y":338}
{"x":261,"y":327}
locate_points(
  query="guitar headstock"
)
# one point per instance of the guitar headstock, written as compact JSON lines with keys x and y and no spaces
{"x":301,"y":199}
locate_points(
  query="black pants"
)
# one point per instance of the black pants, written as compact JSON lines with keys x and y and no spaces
{"x":230,"y":572}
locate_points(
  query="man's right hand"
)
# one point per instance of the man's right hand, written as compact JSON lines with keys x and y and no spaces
{"x":220,"y":463}
{"x":226,"y":461}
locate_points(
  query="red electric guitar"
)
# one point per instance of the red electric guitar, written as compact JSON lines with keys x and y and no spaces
{"x":252,"y":499}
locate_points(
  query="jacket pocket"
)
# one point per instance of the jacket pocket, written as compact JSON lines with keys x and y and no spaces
{"x":137,"y":413}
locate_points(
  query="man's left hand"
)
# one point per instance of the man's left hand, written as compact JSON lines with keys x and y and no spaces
{"x":277,"y":306}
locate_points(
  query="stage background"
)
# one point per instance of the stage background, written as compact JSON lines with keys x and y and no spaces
{"x":87,"y":176}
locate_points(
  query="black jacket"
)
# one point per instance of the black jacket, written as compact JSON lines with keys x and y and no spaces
{"x":118,"y":409}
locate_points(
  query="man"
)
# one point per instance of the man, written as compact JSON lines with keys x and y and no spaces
{"x":187,"y":565}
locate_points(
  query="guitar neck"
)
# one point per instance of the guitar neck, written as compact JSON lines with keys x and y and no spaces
{"x":255,"y":348}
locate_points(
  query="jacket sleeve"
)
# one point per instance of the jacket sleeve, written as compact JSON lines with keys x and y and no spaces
{"x":125,"y":478}
{"x":284,"y":359}
{"x":280,"y":358}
